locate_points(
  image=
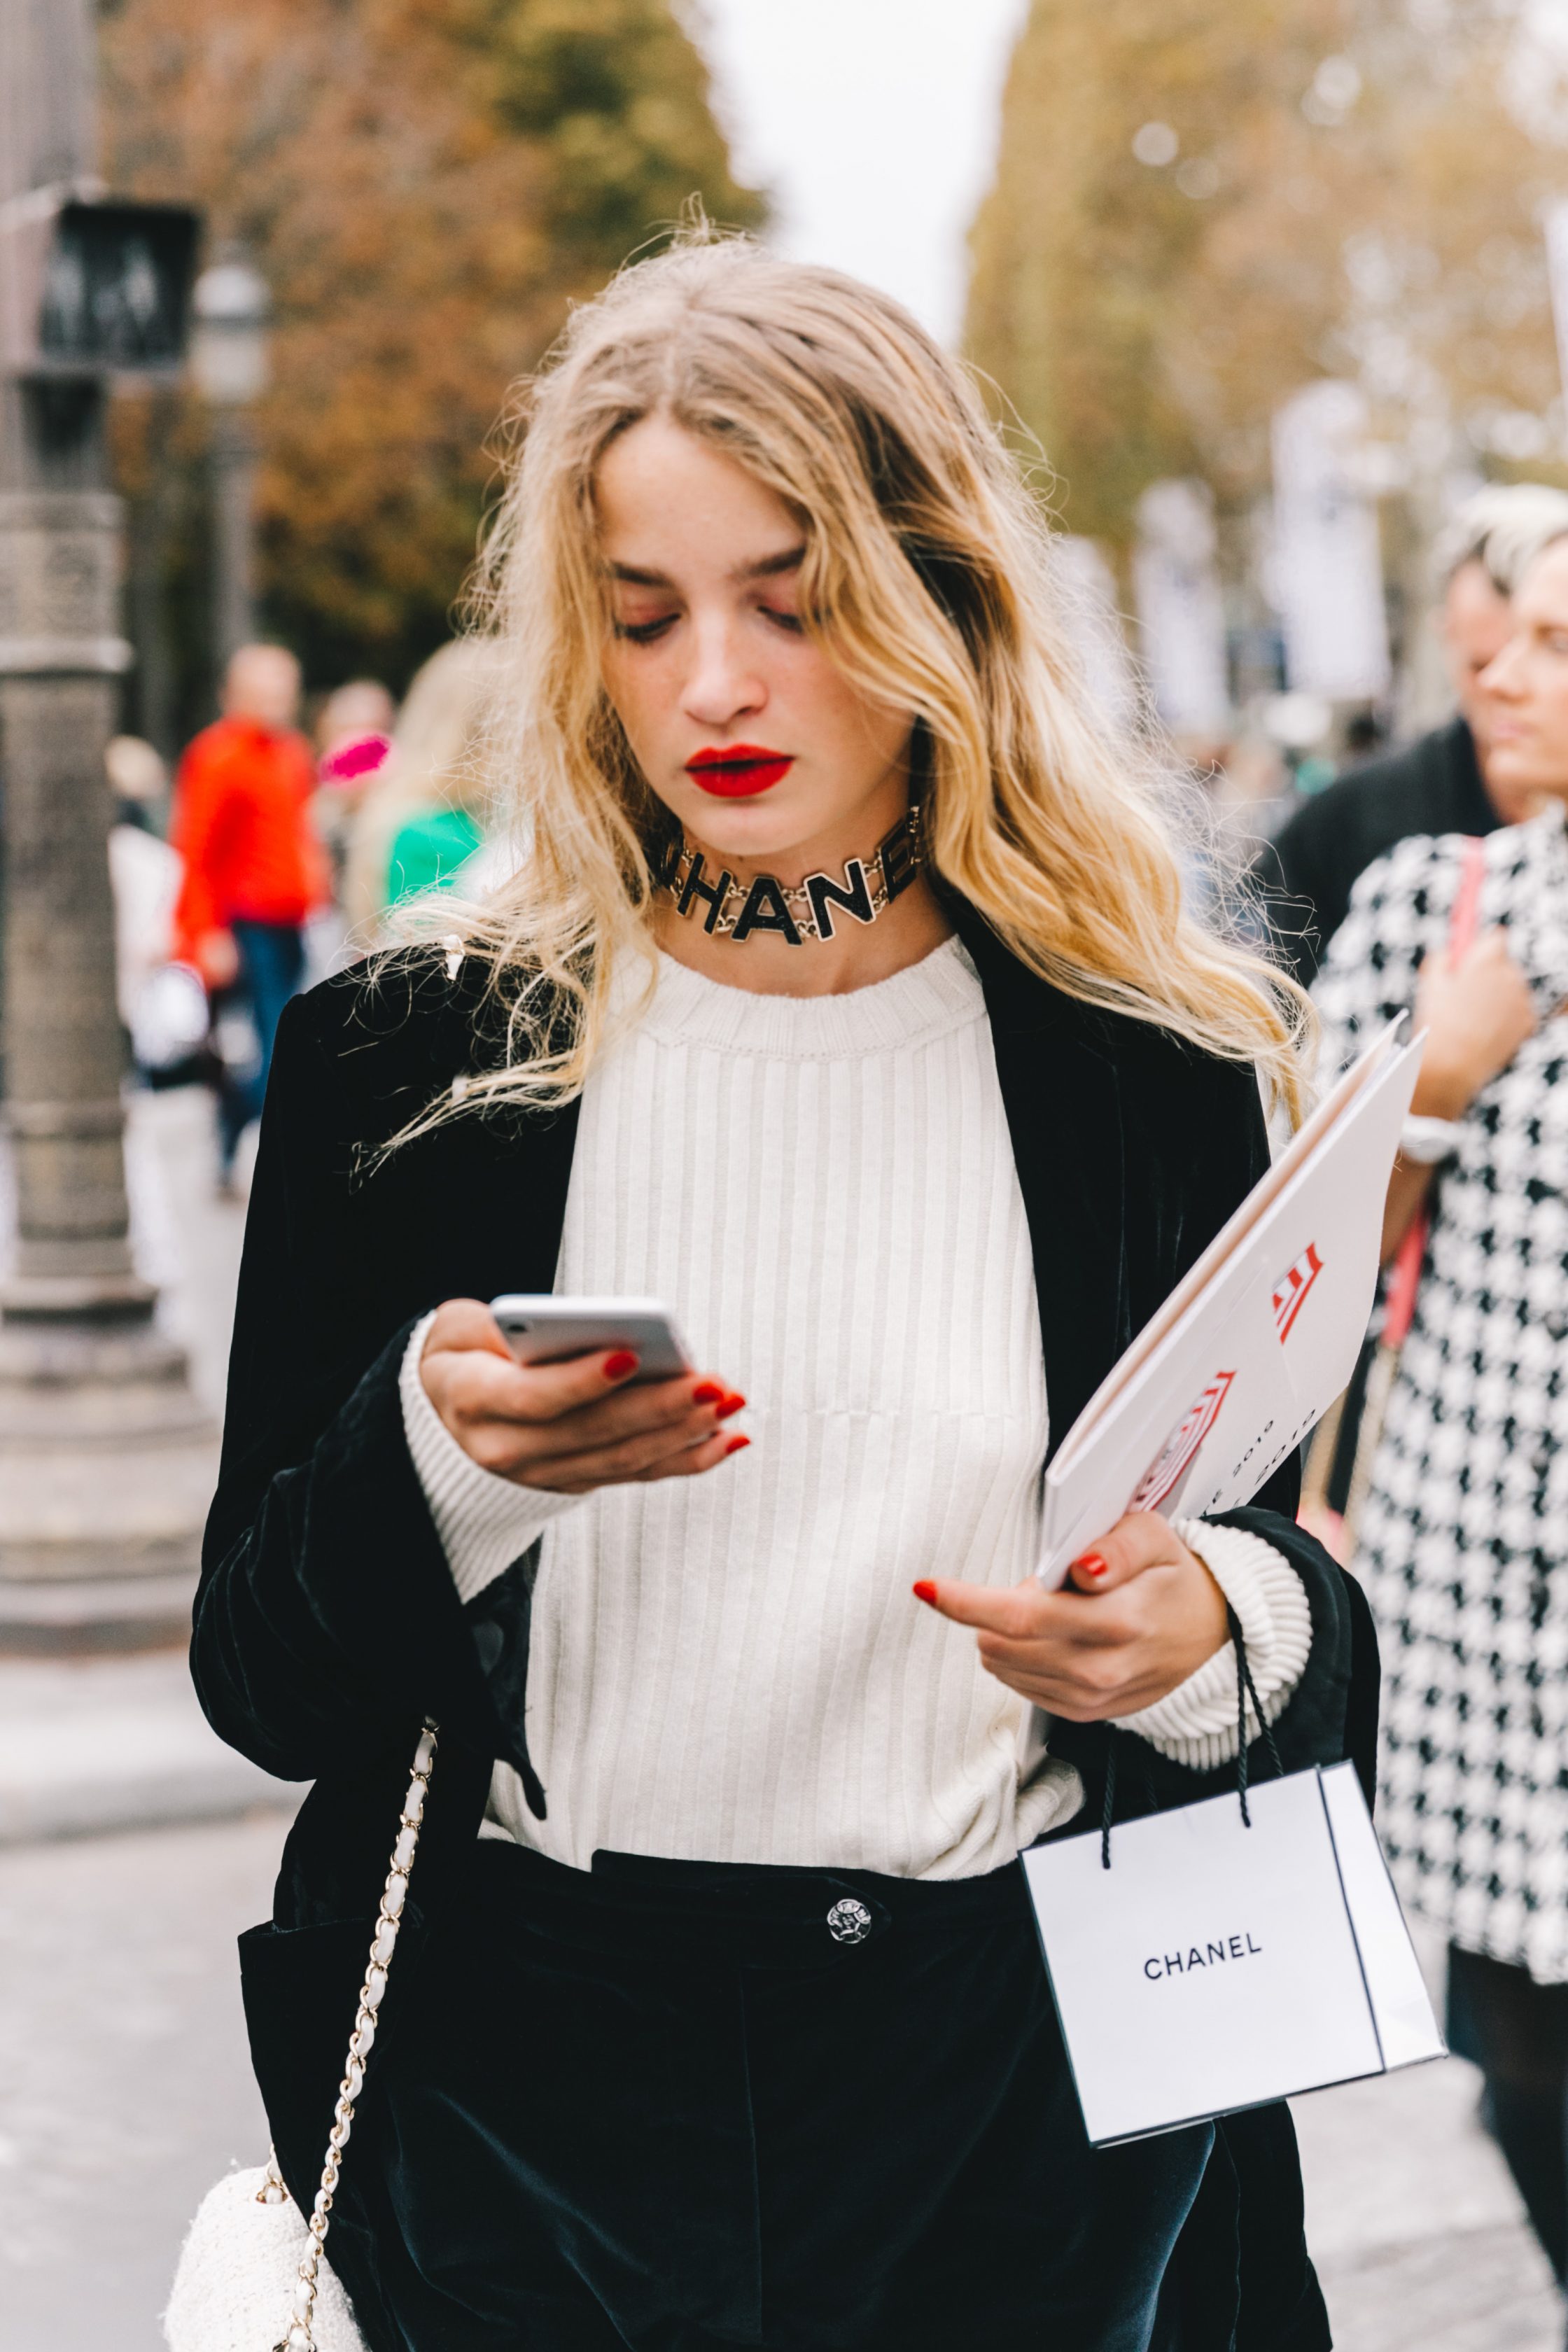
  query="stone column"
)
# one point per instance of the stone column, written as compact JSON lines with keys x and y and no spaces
{"x":59,"y":655}
{"x":105,"y":1461}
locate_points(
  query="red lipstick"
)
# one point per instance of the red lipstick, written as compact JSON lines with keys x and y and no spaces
{"x":739,"y":772}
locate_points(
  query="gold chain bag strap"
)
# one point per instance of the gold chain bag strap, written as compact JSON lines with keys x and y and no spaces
{"x":231,"y":2271}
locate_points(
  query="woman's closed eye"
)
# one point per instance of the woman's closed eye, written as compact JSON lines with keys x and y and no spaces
{"x":645,"y":633}
{"x":658,"y":625}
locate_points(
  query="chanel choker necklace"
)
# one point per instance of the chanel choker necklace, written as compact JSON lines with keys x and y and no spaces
{"x":797,"y":911}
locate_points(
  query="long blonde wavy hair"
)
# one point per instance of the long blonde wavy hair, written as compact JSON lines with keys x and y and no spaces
{"x":929,"y":576}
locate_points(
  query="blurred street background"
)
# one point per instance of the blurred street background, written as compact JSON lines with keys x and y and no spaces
{"x":1274,"y":287}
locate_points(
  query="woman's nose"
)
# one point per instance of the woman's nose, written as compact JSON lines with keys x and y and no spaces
{"x":723,"y":685}
{"x":1501,"y":673}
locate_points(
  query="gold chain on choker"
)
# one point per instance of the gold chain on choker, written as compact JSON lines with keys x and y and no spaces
{"x":796,"y":911}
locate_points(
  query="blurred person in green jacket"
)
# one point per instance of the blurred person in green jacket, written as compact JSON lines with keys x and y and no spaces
{"x":422,"y":817}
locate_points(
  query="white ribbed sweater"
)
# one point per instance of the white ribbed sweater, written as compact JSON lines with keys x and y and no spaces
{"x":733,"y":1667}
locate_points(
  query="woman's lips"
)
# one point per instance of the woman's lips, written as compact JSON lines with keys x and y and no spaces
{"x":738,"y":772}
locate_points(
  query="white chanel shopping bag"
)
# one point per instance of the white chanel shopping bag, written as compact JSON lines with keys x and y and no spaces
{"x":1214,"y":1965}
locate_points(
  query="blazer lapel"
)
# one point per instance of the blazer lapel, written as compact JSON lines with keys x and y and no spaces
{"x":1061,"y":1095}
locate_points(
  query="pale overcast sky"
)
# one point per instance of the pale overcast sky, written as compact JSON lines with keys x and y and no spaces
{"x":873,"y":123}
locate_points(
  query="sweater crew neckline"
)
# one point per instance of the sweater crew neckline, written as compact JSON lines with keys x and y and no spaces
{"x":926,"y":1001}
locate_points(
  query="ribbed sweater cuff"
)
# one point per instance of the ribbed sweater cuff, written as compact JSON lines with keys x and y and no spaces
{"x":485,"y":1522}
{"x":1195,"y":1724}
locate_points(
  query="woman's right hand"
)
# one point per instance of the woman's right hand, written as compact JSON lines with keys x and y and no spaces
{"x":568,"y":1428}
{"x":1479,"y":1012}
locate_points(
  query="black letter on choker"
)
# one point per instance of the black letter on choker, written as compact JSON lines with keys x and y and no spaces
{"x":897,"y":852}
{"x":712,"y":894}
{"x":764,"y":893}
{"x":824,"y":892}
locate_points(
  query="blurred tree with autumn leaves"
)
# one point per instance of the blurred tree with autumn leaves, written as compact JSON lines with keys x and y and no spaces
{"x":426,"y":184}
{"x":1200,"y":205}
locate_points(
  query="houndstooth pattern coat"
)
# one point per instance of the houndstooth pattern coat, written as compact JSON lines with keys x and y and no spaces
{"x":1464,"y":1539}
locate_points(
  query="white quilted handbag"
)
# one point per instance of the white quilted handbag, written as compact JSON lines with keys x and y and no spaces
{"x":251,"y":2274}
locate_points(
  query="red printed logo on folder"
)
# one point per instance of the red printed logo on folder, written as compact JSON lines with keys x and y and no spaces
{"x":1290,"y":1291}
{"x":1170,"y":1466}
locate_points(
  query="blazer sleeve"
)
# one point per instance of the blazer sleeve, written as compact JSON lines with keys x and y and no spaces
{"x":326,"y":1619}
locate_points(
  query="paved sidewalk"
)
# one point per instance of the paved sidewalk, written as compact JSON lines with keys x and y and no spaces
{"x":115,"y":1743}
{"x":1413,"y":2222}
{"x":127,"y":2087}
{"x":185,"y":1238}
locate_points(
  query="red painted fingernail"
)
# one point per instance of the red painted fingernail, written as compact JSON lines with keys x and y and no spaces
{"x":618,"y":1366}
{"x":707,"y":1392}
{"x":735,"y":1445}
{"x":925,"y":1590}
{"x":730,"y":1404}
{"x":1092,"y":1565}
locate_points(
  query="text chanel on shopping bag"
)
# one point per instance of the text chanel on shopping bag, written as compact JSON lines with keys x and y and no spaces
{"x":1215,"y":1965}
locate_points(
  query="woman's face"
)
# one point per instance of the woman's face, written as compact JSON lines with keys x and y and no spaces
{"x":744,"y":726}
{"x":1525,"y":688}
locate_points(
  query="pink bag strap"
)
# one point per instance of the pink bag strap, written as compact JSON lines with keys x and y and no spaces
{"x":1399,"y":1307}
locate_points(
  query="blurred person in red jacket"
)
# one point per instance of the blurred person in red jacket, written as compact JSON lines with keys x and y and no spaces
{"x":254,"y":868}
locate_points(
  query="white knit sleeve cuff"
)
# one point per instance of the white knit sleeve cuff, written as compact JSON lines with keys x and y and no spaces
{"x":1195,"y":1724}
{"x":484,"y":1522}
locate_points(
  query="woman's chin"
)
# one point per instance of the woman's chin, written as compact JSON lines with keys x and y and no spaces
{"x":756,"y":829}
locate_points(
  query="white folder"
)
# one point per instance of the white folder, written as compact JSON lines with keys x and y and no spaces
{"x":1252,"y":1348}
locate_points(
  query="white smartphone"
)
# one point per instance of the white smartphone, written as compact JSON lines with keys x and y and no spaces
{"x":541,"y":1328}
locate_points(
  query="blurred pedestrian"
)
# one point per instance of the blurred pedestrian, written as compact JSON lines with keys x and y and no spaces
{"x":1438,"y":785}
{"x":351,"y":713}
{"x":254,"y":868}
{"x":144,"y":872}
{"x":421,"y":815}
{"x":1365,"y":734}
{"x":1463,"y":1538}
{"x":353,"y":735}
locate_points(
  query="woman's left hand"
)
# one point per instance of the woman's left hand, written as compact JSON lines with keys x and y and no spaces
{"x":1139,"y":1614}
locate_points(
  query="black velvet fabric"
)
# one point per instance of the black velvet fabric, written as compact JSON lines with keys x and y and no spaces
{"x":695,"y":2120}
{"x":327,"y":1626}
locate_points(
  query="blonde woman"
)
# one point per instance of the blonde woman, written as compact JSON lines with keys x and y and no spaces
{"x":847,"y":1003}
{"x":433,"y":770}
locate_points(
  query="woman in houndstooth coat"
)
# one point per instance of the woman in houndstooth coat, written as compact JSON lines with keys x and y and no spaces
{"x":1463,"y":1541}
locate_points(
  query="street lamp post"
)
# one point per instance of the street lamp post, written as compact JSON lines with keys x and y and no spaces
{"x":229,"y":361}
{"x":106,"y":1462}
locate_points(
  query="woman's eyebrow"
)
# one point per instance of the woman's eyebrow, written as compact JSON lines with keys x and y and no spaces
{"x":766,"y":567}
{"x":769,"y":567}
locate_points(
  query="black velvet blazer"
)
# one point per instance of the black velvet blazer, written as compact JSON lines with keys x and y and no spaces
{"x":327,"y":1626}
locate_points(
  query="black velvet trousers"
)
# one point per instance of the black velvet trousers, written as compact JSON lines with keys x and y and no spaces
{"x":684,"y":2106}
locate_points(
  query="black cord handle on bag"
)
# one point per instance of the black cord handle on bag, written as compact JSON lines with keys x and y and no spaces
{"x":1245,"y":1689}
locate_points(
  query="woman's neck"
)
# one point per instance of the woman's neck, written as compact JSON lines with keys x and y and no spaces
{"x":858,"y":954}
